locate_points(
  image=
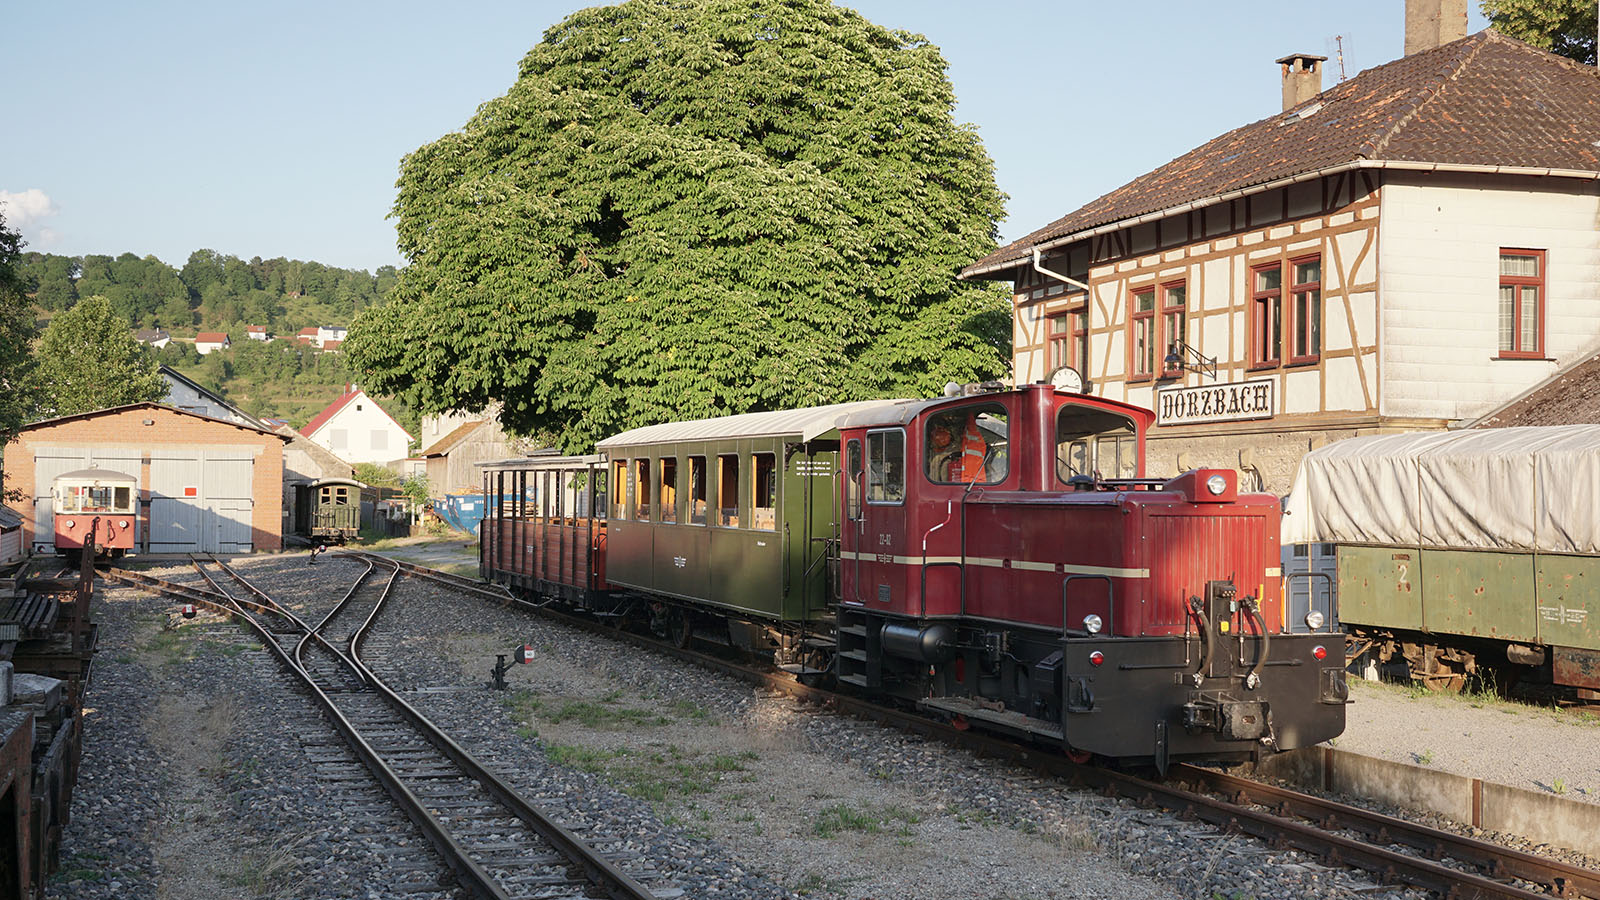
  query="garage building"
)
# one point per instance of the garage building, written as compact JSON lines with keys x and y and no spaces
{"x":205,"y":486}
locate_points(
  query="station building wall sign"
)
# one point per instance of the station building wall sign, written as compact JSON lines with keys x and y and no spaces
{"x":1234,"y":402}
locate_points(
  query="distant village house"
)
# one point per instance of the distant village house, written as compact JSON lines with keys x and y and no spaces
{"x":153,"y":337}
{"x":257,"y":333}
{"x":208,"y":341}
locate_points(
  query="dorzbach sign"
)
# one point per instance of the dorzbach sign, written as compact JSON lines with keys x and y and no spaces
{"x":1234,"y":402}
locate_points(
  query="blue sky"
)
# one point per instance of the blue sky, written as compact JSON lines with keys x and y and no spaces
{"x":277,"y":130}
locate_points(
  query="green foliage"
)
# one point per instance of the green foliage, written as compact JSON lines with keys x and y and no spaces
{"x":688,"y":208}
{"x":17,"y":399}
{"x":1566,"y":27}
{"x":212,"y":291}
{"x":416,"y":490}
{"x":374,"y":475}
{"x":88,"y":360}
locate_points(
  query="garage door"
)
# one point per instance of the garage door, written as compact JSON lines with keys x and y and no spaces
{"x":200,"y":500}
{"x":50,"y":462}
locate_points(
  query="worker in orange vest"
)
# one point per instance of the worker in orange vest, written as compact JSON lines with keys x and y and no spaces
{"x":974,"y":450}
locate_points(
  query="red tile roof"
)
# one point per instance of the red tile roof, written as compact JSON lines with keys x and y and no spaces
{"x":321,"y":418}
{"x":210,"y":337}
{"x":1485,"y":100}
{"x":308,"y":331}
{"x":256,"y":329}
{"x":331,"y":345}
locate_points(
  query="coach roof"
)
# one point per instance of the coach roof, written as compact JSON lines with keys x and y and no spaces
{"x":806,"y":424}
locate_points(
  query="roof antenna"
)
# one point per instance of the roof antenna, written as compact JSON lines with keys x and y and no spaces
{"x":1338,"y":41}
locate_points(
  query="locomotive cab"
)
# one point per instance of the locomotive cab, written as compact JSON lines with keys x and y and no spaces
{"x":99,"y":502}
{"x":1004,"y":560}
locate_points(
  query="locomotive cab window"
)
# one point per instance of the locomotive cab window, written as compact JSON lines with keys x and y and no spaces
{"x":1095,"y":443}
{"x":728,"y":490}
{"x":669,"y":489}
{"x":764,"y":498}
{"x":886,"y":466}
{"x":967,"y":445}
{"x":697,"y":490}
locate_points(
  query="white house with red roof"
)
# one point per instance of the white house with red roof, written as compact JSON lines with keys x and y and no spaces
{"x":207,"y":341}
{"x":356,"y":429}
{"x":257,"y":333}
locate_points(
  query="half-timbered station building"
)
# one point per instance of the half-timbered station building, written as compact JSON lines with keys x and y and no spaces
{"x":1407,"y":250}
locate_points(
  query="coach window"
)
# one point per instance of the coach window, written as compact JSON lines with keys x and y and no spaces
{"x":728,"y":490}
{"x":697,"y":490}
{"x":669,"y":489}
{"x":852,"y":481}
{"x":967,"y":445}
{"x":764,"y":497}
{"x":621,"y":482}
{"x":1095,"y":443}
{"x":886,"y":466}
{"x":641,"y":495}
{"x":124,"y":500}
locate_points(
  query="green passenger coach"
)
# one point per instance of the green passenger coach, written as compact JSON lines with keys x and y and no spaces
{"x":736,"y":513}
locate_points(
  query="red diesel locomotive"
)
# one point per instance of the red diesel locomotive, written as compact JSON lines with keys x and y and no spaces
{"x":995,"y":557}
{"x":97,"y":501}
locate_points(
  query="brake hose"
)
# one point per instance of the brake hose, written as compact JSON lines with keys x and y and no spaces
{"x":1196,"y":608}
{"x":1250,"y":609}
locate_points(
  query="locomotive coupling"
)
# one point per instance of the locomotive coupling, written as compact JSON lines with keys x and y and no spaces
{"x":1237,"y":720}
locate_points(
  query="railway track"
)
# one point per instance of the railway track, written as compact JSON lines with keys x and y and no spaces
{"x":498,"y":845}
{"x":1393,"y":850}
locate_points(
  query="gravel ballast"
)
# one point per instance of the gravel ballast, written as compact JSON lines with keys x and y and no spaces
{"x":720,"y":789}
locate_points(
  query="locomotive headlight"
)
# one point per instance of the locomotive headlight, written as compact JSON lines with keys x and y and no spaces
{"x":1216,"y":484}
{"x":123,"y":524}
{"x":1092,"y":623}
{"x":70,"y":524}
{"x":1313,"y":620}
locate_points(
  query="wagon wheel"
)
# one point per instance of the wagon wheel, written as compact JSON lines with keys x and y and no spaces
{"x":679,"y":629}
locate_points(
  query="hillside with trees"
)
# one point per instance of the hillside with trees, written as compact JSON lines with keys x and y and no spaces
{"x":215,"y":292}
{"x":211,"y":292}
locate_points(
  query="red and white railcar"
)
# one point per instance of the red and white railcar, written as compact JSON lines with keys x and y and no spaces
{"x":99,"y":502}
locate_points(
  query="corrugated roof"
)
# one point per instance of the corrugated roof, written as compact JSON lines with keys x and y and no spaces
{"x":1485,"y":100}
{"x":806,"y":424}
{"x":10,"y":518}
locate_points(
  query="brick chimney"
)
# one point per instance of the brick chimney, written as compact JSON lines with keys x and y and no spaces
{"x":1302,"y":78}
{"x":1431,"y":23}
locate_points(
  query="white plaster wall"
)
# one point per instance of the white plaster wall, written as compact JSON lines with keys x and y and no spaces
{"x":358,"y":426}
{"x":1439,"y":278}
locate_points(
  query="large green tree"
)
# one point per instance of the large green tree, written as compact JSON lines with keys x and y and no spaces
{"x":1566,"y":27}
{"x":16,"y":334}
{"x":88,"y":360}
{"x":688,"y":208}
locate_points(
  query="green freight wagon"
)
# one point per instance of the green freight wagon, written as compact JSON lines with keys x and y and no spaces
{"x":1461,"y":554}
